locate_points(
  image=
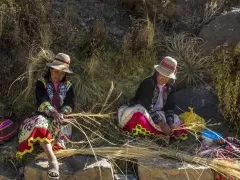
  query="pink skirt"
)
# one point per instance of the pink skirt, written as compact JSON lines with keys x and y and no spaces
{"x":138,"y":121}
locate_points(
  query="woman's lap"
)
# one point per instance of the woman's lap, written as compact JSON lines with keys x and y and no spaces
{"x":39,"y":129}
{"x":137,"y":121}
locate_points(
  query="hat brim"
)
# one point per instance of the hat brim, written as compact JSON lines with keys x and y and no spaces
{"x":171,"y":76}
{"x":60,"y":67}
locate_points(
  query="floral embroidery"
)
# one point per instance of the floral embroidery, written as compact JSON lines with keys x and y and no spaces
{"x":66,"y":109}
{"x":29,"y":127}
{"x":166,"y":91}
{"x":63,"y":88}
{"x":46,"y":107}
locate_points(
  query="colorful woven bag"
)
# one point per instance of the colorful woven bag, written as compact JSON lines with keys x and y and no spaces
{"x":8,"y":129}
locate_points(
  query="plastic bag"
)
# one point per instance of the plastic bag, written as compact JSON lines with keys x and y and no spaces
{"x":192,"y":121}
{"x":209,"y":136}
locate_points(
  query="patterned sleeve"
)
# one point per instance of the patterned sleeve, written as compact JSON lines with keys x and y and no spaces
{"x":68,"y":104}
{"x":43,"y":100}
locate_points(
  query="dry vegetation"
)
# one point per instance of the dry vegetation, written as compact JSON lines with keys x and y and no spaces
{"x":105,"y":76}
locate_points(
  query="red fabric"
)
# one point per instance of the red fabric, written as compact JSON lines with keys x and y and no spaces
{"x":56,"y":101}
{"x":37,"y":133}
{"x":64,"y":61}
{"x":56,"y":85}
{"x":138,"y":121}
{"x":56,"y":147}
{"x":168,"y":65}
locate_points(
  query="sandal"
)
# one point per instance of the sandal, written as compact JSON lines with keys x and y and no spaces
{"x":53,"y":172}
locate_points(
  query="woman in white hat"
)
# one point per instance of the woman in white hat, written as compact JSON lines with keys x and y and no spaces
{"x":54,"y":95}
{"x":151,"y":111}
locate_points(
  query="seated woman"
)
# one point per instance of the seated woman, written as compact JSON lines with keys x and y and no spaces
{"x":54,"y":94}
{"x":151,"y":111}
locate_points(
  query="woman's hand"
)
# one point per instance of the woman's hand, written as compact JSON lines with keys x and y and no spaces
{"x":165,"y":128}
{"x":58,"y":118}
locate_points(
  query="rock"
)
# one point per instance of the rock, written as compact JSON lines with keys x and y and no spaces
{"x":116,"y":31}
{"x":186,"y":15}
{"x":3,"y":178}
{"x":202,"y":99}
{"x":7,"y":172}
{"x":165,"y":169}
{"x":38,"y":170}
{"x":8,"y":153}
{"x":21,"y":171}
{"x":2,"y":107}
{"x":224,"y":30}
{"x":124,"y":177}
{"x":72,"y":168}
{"x":191,"y":15}
{"x":205,"y":103}
{"x":150,"y":8}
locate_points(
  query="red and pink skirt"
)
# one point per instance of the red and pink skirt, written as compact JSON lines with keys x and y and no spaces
{"x":137,"y":121}
{"x":40,"y":129}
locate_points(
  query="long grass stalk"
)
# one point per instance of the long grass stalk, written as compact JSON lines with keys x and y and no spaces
{"x":89,"y":115}
{"x":228,"y":168}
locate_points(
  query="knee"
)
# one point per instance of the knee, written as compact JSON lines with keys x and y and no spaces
{"x":138,"y":115}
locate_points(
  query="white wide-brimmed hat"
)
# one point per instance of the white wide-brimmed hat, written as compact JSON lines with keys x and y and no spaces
{"x":167,"y":67}
{"x":61,"y":62}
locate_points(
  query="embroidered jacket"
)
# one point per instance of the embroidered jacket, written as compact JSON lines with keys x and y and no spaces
{"x":147,"y":95}
{"x":44,"y":94}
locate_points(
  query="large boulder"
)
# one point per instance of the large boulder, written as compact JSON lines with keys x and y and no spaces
{"x":203,"y":99}
{"x":72,"y":168}
{"x":150,"y":8}
{"x":187,"y":15}
{"x":205,"y":103}
{"x":191,"y":15}
{"x":224,"y":30}
{"x":165,"y":169}
{"x":125,"y":177}
{"x":3,"y":177}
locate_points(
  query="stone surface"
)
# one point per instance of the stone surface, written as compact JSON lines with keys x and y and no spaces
{"x":71,"y":168}
{"x":7,"y":172}
{"x":224,"y":30}
{"x":3,"y":178}
{"x":205,"y":103}
{"x":166,"y":169}
{"x":186,"y":15}
{"x":8,"y":152}
{"x":150,"y":7}
{"x":202,"y":99}
{"x":124,"y":177}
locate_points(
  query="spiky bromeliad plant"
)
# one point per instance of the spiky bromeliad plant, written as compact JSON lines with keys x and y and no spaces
{"x":192,"y":67}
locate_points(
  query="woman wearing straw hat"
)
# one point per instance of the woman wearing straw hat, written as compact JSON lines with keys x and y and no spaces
{"x":54,"y":95}
{"x":151,"y":110}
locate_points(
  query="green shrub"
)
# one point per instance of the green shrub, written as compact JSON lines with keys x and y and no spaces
{"x":226,"y":79}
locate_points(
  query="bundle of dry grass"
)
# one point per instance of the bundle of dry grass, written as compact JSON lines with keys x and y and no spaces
{"x":225,"y":167}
